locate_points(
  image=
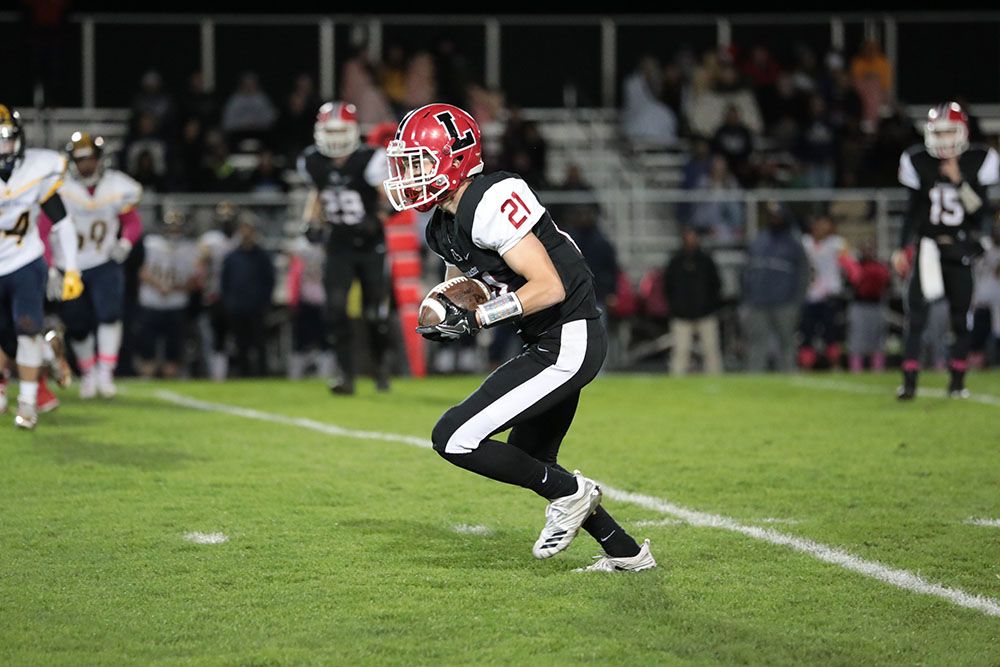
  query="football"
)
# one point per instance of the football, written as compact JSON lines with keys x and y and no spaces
{"x":464,"y":292}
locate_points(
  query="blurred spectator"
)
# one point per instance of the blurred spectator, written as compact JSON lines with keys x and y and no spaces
{"x":360,"y":88}
{"x":523,"y":149}
{"x":894,"y":134}
{"x":985,"y":344}
{"x":420,"y":84}
{"x":307,"y":301}
{"x":734,"y":141}
{"x":246,"y":290}
{"x":293,"y":130}
{"x":774,"y":282}
{"x":718,"y":216}
{"x":830,"y":260}
{"x":647,"y":122}
{"x":46,"y":33}
{"x":146,"y":140}
{"x":578,"y":189}
{"x":217,"y":173}
{"x":451,"y":73}
{"x":693,"y":291}
{"x":817,"y":147}
{"x":188,"y":154}
{"x":844,"y":104}
{"x":673,"y":90}
{"x":866,"y":313}
{"x":266,"y":176}
{"x":716,"y":87}
{"x":390,"y":75}
{"x":872,"y":75}
{"x":198,"y":102}
{"x":248,"y":112}
{"x":153,"y":100}
{"x":583,"y":226}
{"x":168,"y":276}
{"x":147,"y":173}
{"x":762,"y":71}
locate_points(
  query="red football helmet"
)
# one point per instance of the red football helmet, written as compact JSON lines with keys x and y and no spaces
{"x":436,"y":147}
{"x":336,"y":131}
{"x":946,"y":133}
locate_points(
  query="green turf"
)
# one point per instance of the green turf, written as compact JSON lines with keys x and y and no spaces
{"x":345,"y":551}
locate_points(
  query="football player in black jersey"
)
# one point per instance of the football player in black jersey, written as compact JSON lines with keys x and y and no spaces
{"x":346,"y":208}
{"x":492,"y":227}
{"x":947,"y":222}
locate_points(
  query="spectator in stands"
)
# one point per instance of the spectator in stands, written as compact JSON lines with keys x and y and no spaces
{"x":985,"y":343}
{"x":246,"y":288}
{"x":866,"y":313}
{"x":817,"y":146}
{"x":217,"y":173}
{"x":146,"y":173}
{"x":153,"y":101}
{"x":421,"y":80}
{"x":266,"y":176}
{"x":762,"y":70}
{"x":390,"y":76}
{"x":894,"y":134}
{"x":872,"y":75}
{"x":583,"y":226}
{"x":360,"y":88}
{"x":146,"y":139}
{"x":248,"y":112}
{"x":716,"y":87}
{"x":576,"y":187}
{"x":722,"y":218}
{"x":188,"y":154}
{"x":647,"y":122}
{"x":307,"y":301}
{"x":523,"y":149}
{"x":774,"y":282}
{"x":451,"y":73}
{"x":198,"y":102}
{"x":673,"y":90}
{"x":293,"y":130}
{"x":830,"y":260}
{"x":693,"y":291}
{"x":734,"y":141}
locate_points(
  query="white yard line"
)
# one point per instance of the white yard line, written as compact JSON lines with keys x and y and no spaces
{"x":899,"y":578}
{"x":989,"y":523}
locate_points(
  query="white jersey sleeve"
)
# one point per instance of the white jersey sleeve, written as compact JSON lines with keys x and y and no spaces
{"x":989,"y":171}
{"x":907,"y":172}
{"x":505,"y":214}
{"x":377,"y":169}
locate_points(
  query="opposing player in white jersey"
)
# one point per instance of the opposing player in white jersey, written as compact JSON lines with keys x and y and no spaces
{"x":102,"y":203}
{"x":213,"y":246}
{"x":30,"y":179}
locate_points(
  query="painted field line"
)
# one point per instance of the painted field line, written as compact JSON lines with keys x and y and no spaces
{"x":899,"y":578}
{"x":855,"y":388}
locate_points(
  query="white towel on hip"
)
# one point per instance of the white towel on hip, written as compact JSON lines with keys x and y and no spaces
{"x":929,"y":268}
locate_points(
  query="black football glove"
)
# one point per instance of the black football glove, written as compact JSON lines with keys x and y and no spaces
{"x":457,"y":323}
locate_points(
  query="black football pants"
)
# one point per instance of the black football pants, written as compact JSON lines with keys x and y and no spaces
{"x":368,"y":266}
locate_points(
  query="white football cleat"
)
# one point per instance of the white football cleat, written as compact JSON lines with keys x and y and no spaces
{"x":88,"y":385}
{"x":106,"y":388}
{"x":564,"y":516}
{"x":27,"y":416}
{"x":605,"y":563}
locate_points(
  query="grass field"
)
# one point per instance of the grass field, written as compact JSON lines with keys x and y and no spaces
{"x":797,"y":520}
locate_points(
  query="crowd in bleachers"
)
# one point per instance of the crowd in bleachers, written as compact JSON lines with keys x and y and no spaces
{"x":738,"y":117}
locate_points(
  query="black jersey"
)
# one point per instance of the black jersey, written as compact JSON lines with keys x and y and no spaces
{"x":348,"y":194}
{"x":936,"y":208}
{"x":496,"y":211}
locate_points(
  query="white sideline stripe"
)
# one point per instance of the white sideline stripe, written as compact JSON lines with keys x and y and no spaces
{"x":899,"y":578}
{"x":990,"y":523}
{"x":466,"y":529}
{"x":985,"y":399}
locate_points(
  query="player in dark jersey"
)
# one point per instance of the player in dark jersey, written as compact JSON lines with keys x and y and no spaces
{"x":492,"y":227}
{"x":346,"y":208}
{"x":947,"y":222}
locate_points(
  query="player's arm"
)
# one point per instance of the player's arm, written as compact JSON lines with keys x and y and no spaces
{"x":908,"y":176}
{"x":544,"y":288}
{"x":66,"y":241}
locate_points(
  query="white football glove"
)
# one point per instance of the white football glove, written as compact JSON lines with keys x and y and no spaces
{"x":120,"y":250}
{"x":54,"y":286}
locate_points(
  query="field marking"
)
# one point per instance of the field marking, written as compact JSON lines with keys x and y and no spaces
{"x":206,"y":538}
{"x":855,"y":388}
{"x":895,"y":577}
{"x":466,"y":529}
{"x":989,"y":523}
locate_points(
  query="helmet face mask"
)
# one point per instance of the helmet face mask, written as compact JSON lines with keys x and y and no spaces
{"x":435,"y":149}
{"x":336,"y":131}
{"x":946,"y":132}
{"x":11,"y":138}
